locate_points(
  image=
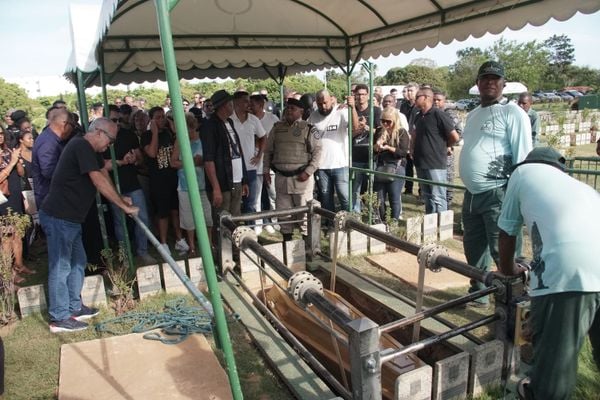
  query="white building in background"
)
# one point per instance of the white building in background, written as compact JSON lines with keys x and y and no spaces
{"x":37,"y":86}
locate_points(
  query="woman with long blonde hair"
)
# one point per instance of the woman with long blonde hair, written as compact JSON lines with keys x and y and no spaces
{"x":391,"y":147}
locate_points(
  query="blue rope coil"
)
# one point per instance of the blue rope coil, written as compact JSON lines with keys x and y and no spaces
{"x":177,"y":320}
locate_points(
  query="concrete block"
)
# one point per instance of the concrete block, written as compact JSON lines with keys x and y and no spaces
{"x":93,"y":292}
{"x":32,"y":299}
{"x":486,"y":366}
{"x":342,"y":247}
{"x":585,"y":126}
{"x":414,"y":385}
{"x":276,"y":249}
{"x":430,"y":224}
{"x":295,"y":255}
{"x":358,"y":242}
{"x":446,"y":225}
{"x":450,"y":377}
{"x":569,"y":128}
{"x":252,"y":280}
{"x":197,"y":272}
{"x":413,"y":229}
{"x":148,"y":281}
{"x":172,"y":282}
{"x":377,"y":246}
{"x":551,"y":129}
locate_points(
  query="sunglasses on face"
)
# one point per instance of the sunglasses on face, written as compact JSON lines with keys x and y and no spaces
{"x":387,"y":121}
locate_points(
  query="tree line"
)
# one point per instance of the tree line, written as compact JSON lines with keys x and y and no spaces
{"x":547,"y":65}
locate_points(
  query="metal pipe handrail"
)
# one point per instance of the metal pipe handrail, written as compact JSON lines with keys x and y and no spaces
{"x":296,"y":344}
{"x":430,"y":312}
{"x":270,"y":213}
{"x":408,"y":178}
{"x":438,"y":338}
{"x":400,"y":297}
{"x":330,"y":310}
{"x":443,"y":261}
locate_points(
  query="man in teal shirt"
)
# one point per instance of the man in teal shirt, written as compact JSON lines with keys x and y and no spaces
{"x":565,"y":278}
{"x":496,"y":137}
{"x":525,"y":103}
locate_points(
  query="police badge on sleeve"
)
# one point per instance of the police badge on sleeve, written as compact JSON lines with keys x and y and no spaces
{"x":316,"y":133}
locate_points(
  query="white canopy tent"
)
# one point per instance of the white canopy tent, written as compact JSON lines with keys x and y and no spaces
{"x":262,"y":38}
{"x":510,"y":88}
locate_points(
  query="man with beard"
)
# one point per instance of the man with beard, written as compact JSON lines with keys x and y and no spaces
{"x":332,"y":126}
{"x":496,"y":137}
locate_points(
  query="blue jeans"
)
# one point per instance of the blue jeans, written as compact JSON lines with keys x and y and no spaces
{"x":434,"y":195}
{"x":139,"y":200}
{"x":327,"y":180}
{"x":66,"y":264}
{"x":249,"y":201}
{"x":393,"y":191}
{"x":360,"y":179}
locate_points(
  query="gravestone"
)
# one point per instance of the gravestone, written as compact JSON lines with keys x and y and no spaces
{"x":450,"y":377}
{"x":486,"y":366}
{"x":148,"y":281}
{"x":446,"y":225}
{"x":377,"y":246}
{"x":295,"y":255}
{"x":415,"y":384}
{"x":358,"y":242}
{"x":276,"y":249}
{"x":32,"y":299}
{"x":413,"y":229}
{"x":197,"y":272}
{"x":92,"y":292}
{"x":342,"y":247}
{"x":430,"y":222}
{"x":172,"y":282}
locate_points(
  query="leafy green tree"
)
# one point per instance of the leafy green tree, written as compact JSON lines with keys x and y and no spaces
{"x":523,"y":62}
{"x":463,"y":72}
{"x":435,"y":77}
{"x":13,"y":96}
{"x":561,"y":55}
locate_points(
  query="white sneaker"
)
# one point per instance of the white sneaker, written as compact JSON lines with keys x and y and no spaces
{"x":258,"y":230}
{"x":182,"y":246}
{"x":166,"y":248}
{"x":270,"y":229}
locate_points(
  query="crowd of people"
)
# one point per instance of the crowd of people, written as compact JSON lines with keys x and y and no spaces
{"x":250,"y":156}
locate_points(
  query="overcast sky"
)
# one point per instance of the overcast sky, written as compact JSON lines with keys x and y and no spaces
{"x":34,"y":36}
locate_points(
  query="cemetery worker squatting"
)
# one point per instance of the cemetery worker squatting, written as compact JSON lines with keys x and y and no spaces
{"x":78,"y":175}
{"x":565,"y":279}
{"x":496,"y":137}
{"x":293,"y":152}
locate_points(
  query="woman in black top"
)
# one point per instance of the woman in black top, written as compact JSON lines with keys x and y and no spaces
{"x":391,"y":145}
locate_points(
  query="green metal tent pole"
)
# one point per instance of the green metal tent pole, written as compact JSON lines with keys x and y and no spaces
{"x":115,"y":170}
{"x":168,"y":51}
{"x":368,"y":66}
{"x":83,"y":115}
{"x":350,"y":136}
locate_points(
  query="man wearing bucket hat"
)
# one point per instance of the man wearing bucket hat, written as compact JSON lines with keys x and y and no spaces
{"x":496,"y":137}
{"x":224,"y":164}
{"x":565,"y":279}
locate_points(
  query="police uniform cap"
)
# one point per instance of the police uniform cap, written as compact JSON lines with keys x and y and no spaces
{"x":295,"y":102}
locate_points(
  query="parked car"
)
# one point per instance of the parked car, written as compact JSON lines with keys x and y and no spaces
{"x":574,"y":93}
{"x":565,"y":96}
{"x":552,"y":97}
{"x":463,"y":104}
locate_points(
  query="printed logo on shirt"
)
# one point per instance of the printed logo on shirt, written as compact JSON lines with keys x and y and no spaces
{"x":488,"y":127}
{"x":331,"y":128}
{"x":163,"y":157}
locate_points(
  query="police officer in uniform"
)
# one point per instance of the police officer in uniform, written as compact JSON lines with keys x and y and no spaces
{"x":293,"y":153}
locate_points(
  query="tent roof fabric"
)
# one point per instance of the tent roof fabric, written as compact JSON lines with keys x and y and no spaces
{"x":257,"y":38}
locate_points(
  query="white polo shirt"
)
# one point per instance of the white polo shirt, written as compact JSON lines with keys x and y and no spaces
{"x":248,"y":131}
{"x":333,"y":130}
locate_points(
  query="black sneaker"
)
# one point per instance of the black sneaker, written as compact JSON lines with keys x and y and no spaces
{"x":67,"y":325}
{"x":85,"y":313}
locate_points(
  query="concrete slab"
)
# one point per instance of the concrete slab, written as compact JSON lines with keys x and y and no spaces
{"x":130,"y":367}
{"x":148,"y":281}
{"x":31,"y":299}
{"x":93,"y":292}
{"x":405,"y":266}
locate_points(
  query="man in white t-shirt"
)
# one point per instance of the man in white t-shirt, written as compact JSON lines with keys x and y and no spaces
{"x":563,"y":219}
{"x":332,"y":124}
{"x":266,"y":198}
{"x":496,"y":137}
{"x":252,"y":139}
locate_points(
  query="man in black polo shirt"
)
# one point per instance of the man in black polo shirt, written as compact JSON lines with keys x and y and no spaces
{"x":76,"y":178}
{"x":432,"y":134}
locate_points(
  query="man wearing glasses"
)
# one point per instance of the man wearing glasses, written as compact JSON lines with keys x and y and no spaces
{"x":433,"y":133}
{"x":78,"y":175}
